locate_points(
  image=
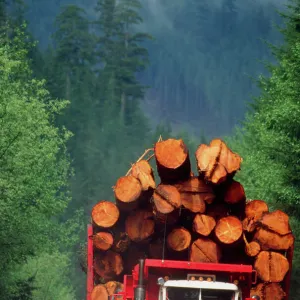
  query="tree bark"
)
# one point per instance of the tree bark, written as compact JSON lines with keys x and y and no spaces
{"x":99,"y":292}
{"x":105,"y":214}
{"x":172,"y":160}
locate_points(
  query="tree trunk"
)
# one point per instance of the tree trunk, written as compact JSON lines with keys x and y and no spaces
{"x":229,"y":230}
{"x":205,"y":250}
{"x":114,"y":287}
{"x":271,"y":266}
{"x":140,"y":225}
{"x":121,"y":241}
{"x":204,"y":224}
{"x":172,"y":160}
{"x":105,"y":214}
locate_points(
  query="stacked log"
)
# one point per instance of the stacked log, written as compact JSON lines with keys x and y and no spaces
{"x":202,"y":218}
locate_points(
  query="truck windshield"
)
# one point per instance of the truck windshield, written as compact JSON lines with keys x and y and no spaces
{"x":193,"y":294}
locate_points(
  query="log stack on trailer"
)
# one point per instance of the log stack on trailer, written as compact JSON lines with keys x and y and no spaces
{"x":200,"y":218}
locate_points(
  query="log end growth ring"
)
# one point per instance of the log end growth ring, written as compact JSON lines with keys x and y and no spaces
{"x":179,"y":239}
{"x":128,"y":189}
{"x":229,"y":229}
{"x":105,"y":214}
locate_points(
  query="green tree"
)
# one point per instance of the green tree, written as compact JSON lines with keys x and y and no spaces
{"x":34,"y":167}
{"x":269,"y":140}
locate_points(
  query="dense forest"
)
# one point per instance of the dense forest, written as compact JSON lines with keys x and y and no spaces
{"x":84,"y":89}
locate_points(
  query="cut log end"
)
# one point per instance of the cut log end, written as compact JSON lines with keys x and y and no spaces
{"x":193,"y":202}
{"x":229,"y":230}
{"x":204,"y":224}
{"x":99,"y":292}
{"x":271,"y":266}
{"x":205,"y":250}
{"x":276,"y":221}
{"x":127,"y":191}
{"x":140,"y":225}
{"x":268,"y":291}
{"x":179,"y":239}
{"x":121,"y":242}
{"x":103,"y":240}
{"x":235,"y":193}
{"x":114,"y":287}
{"x":255,"y":209}
{"x":144,"y":173}
{"x":105,"y":214}
{"x":166,"y":198}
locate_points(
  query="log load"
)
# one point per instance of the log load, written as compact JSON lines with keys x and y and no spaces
{"x":204,"y":218}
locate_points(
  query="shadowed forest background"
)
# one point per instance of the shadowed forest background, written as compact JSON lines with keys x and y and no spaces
{"x":86,"y":88}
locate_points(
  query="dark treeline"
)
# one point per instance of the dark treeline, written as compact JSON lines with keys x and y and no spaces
{"x":76,"y":111}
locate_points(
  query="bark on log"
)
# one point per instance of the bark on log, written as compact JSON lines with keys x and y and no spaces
{"x":103,"y":240}
{"x":105,"y":214}
{"x":205,"y":250}
{"x":195,"y":185}
{"x":216,"y":161}
{"x":249,"y":225}
{"x":172,"y":160}
{"x":128,"y":191}
{"x":166,"y":198}
{"x":179,"y":239}
{"x":140,"y":225}
{"x":272,"y":241}
{"x":144,"y":173}
{"x":234,"y":193}
{"x":276,"y":221}
{"x":271,"y":266}
{"x":255,"y":209}
{"x":229,"y":230}
{"x":114,"y":287}
{"x":268,"y":291}
{"x":204,"y":224}
{"x":99,"y":292}
{"x":108,"y":265}
{"x":121,"y":242}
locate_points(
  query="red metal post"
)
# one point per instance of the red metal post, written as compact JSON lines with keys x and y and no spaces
{"x":90,"y":258}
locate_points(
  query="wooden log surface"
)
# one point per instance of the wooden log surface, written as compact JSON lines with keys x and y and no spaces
{"x":103,"y":240}
{"x":229,"y":230}
{"x":144,"y":173}
{"x":234,"y":193}
{"x":179,"y":239}
{"x":105,"y":214}
{"x":204,"y":224}
{"x":172,"y":160}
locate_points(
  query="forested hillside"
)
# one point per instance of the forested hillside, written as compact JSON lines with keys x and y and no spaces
{"x":86,"y":101}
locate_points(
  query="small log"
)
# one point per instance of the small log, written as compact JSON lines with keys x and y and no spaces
{"x":114,"y":287}
{"x":166,"y":198}
{"x":99,"y":292}
{"x":234,"y":193}
{"x":268,"y":291}
{"x":229,"y":230}
{"x":140,"y":225}
{"x":276,"y":221}
{"x":205,"y":250}
{"x":198,"y":186}
{"x":105,"y":214}
{"x":249,"y":225}
{"x":128,"y":193}
{"x":144,"y":173}
{"x":179,"y":239}
{"x":103,"y":240}
{"x":271,"y":266}
{"x":217,"y":162}
{"x":272,"y":241}
{"x":121,"y":242}
{"x":108,"y":265}
{"x":255,"y":209}
{"x":253,"y":248}
{"x":204,"y":224}
{"x":172,"y":160}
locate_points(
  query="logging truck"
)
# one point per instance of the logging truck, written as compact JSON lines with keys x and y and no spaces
{"x":158,"y":279}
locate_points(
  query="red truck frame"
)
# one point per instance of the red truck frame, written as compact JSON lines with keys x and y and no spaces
{"x":242,"y":273}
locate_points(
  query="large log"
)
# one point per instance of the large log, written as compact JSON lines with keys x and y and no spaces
{"x":229,"y":230}
{"x":271,"y":266}
{"x":144,"y":173}
{"x":128,"y":193}
{"x":276,"y":221}
{"x":217,"y":162}
{"x":140,"y":225}
{"x":103,"y":240}
{"x":234,"y":193}
{"x":172,"y":160}
{"x":179,"y":239}
{"x":272,"y":241}
{"x":108,"y":265}
{"x":166,"y":198}
{"x":205,"y":250}
{"x":268,"y":291}
{"x":105,"y":214}
{"x":204,"y":224}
